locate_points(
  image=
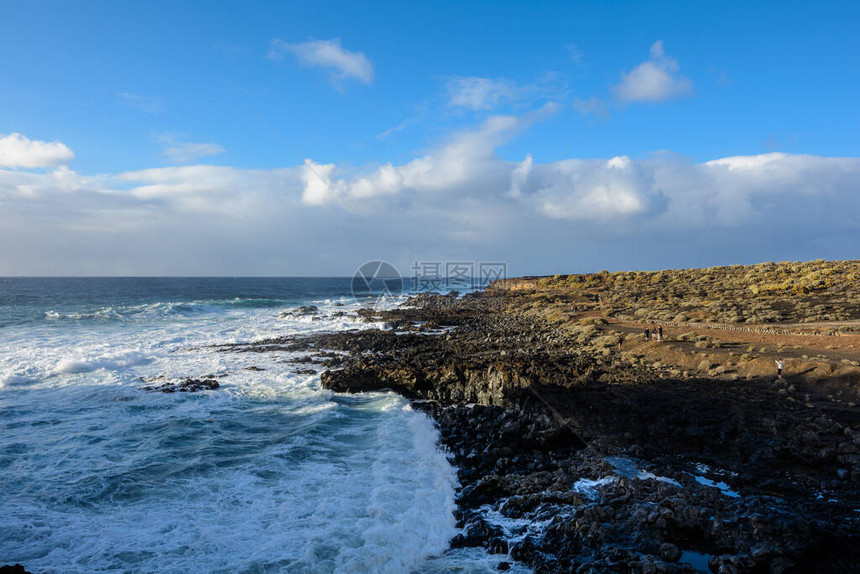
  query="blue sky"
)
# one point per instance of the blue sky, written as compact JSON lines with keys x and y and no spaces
{"x":455,"y":130}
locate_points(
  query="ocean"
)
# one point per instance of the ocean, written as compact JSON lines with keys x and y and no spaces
{"x":268,"y":473}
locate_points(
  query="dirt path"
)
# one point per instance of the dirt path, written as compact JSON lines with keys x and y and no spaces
{"x":824,"y":369}
{"x":834,"y":348}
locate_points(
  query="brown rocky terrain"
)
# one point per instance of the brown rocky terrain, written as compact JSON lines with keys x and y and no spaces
{"x":726,"y":323}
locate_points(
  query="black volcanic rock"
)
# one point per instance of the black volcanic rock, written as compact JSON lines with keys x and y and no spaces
{"x":187,"y":385}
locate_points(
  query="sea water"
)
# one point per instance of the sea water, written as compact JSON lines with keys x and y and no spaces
{"x":268,"y":473}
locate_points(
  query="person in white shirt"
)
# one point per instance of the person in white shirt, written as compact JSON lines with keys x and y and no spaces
{"x":778,"y":368}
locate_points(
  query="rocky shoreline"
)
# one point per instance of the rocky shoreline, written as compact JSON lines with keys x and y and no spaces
{"x":576,"y":461}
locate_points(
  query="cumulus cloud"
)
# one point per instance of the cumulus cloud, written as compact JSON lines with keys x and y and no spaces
{"x":596,"y":190}
{"x":318,"y":186}
{"x":326,"y":54}
{"x":655,"y":80}
{"x":465,"y":161}
{"x":726,"y":192}
{"x":464,"y":184}
{"x":17,"y":150}
{"x":457,"y":201}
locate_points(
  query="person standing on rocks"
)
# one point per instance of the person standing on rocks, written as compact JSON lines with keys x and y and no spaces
{"x":647,"y":334}
{"x":618,"y":340}
{"x":779,"y":363}
{"x":659,"y":333}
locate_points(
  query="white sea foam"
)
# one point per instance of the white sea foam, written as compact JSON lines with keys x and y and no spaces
{"x":112,"y":361}
{"x":589,"y":488}
{"x":516,"y":530}
{"x":12,"y":380}
{"x":469,"y":561}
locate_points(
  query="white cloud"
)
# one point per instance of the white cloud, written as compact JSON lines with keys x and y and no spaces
{"x":726,"y":192}
{"x":595,"y":190}
{"x":655,"y":80}
{"x":318,"y":186}
{"x":178,"y":151}
{"x":148,"y":104}
{"x":464,"y":184}
{"x":467,"y":158}
{"x":520,"y":176}
{"x":390,"y":131}
{"x":474,"y":93}
{"x":228,"y":191}
{"x":483,"y":94}
{"x":327,"y":54}
{"x":735,"y":191}
{"x":593,"y":106}
{"x":186,"y":152}
{"x":386,"y":180}
{"x":659,"y":211}
{"x":19,"y":151}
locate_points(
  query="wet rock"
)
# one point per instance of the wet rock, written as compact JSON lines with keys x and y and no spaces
{"x":670,"y":552}
{"x":304,"y":310}
{"x":187,"y":385}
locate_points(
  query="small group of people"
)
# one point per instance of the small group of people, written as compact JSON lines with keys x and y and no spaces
{"x":654,"y":333}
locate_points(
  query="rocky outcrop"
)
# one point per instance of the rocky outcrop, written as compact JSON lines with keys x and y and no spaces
{"x":573,"y":459}
{"x":187,"y":385}
{"x":303,"y":311}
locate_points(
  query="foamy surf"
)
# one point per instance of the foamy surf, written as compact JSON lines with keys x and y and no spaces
{"x":268,"y":473}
